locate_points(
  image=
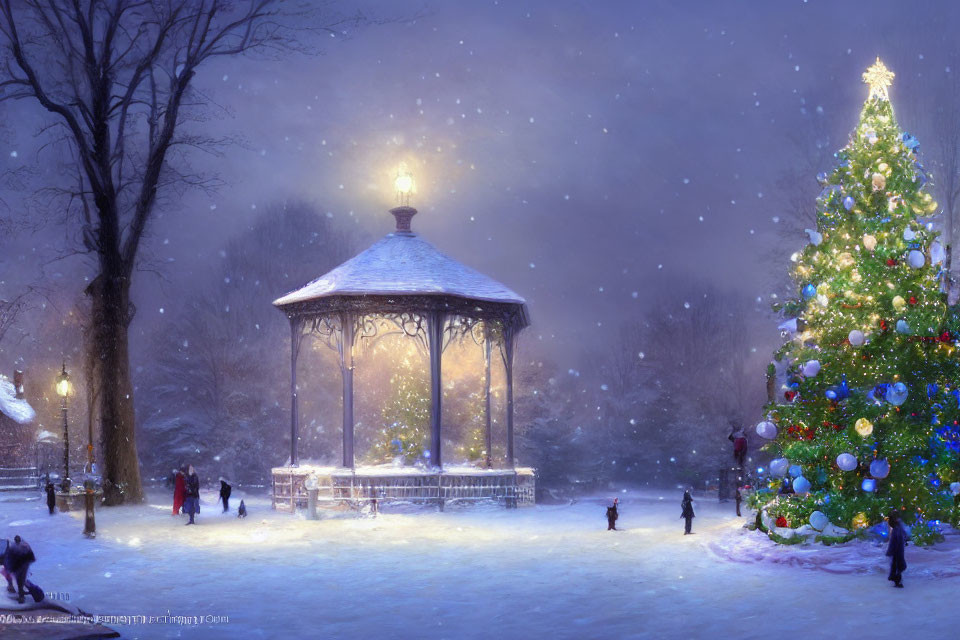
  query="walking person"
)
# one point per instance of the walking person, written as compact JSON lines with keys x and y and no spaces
{"x":738,"y":498}
{"x":612,"y":514}
{"x":191,"y":504}
{"x":179,"y":491}
{"x":739,"y":440}
{"x":51,"y":496}
{"x":17,"y":560}
{"x":895,"y":549}
{"x":225,"y":490}
{"x":686,"y":512}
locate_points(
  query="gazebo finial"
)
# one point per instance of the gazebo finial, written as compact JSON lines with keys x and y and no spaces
{"x":403,"y":215}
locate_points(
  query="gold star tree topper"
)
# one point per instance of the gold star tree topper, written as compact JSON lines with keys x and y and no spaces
{"x":879,"y":78}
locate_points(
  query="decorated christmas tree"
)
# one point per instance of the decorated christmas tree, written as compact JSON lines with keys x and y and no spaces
{"x":406,"y":415}
{"x":867,"y":419}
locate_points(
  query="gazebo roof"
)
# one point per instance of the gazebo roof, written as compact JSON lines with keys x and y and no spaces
{"x":403,"y":264}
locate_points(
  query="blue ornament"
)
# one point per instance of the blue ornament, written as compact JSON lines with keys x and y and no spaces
{"x":869,"y":485}
{"x":796,"y":471}
{"x":902,"y":326}
{"x":897,"y":394}
{"x":931,"y":390}
{"x":934,"y":480}
{"x":879,"y":469}
{"x":838,"y":392}
{"x":801,"y":485}
{"x":809,"y":291}
{"x":848,"y":203}
{"x":910,"y":142}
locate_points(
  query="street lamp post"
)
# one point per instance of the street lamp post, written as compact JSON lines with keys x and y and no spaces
{"x":63,"y":390}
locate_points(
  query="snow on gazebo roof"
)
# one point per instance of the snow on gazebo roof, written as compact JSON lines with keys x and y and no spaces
{"x":17,"y":409}
{"x":403,"y":263}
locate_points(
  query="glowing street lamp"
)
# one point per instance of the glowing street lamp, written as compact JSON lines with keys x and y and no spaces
{"x":404,"y":185}
{"x":63,"y":390}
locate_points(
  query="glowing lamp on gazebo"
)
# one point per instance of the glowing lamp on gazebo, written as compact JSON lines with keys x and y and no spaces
{"x":403,"y":285}
{"x":404,"y":185}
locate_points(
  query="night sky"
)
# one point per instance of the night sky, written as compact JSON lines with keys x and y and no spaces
{"x":586,"y":154}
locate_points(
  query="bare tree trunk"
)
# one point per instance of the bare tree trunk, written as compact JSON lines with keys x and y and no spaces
{"x":111,"y":318}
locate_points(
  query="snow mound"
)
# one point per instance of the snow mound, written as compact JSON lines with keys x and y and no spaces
{"x":740,"y":545}
{"x":16,"y":409}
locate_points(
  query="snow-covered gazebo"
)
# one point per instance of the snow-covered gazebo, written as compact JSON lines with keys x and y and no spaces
{"x":405,"y":285}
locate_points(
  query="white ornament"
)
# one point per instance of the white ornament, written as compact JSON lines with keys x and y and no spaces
{"x":856,"y":337}
{"x":955,"y":488}
{"x":779,"y":466}
{"x":811,"y":368}
{"x":815,"y":237}
{"x":869,"y":242}
{"x":819,"y":520}
{"x":916,"y":259}
{"x":847,"y":462}
{"x":908,"y":234}
{"x":767,"y":430}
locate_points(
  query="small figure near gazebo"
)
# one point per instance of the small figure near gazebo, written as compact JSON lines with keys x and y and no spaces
{"x":403,"y":285}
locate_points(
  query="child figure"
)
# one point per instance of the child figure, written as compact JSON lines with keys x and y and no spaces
{"x":612,"y":515}
{"x":686,"y":512}
{"x":895,"y":549}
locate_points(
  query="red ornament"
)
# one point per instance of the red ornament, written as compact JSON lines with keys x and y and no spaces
{"x":781,"y":521}
{"x":883,"y":325}
{"x":912,"y":300}
{"x":790,"y":395}
{"x":945,"y":336}
{"x":891,"y":262}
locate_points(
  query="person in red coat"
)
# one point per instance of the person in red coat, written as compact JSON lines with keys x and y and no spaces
{"x":179,"y":492}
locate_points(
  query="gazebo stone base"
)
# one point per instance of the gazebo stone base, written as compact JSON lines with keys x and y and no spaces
{"x":340,"y":486}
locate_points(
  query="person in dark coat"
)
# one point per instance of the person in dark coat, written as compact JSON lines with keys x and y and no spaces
{"x":895,"y":550}
{"x":179,"y":491}
{"x":191,"y":505}
{"x":51,"y":496}
{"x":17,"y":560}
{"x":225,"y":490}
{"x":242,"y":511}
{"x":686,"y":512}
{"x":612,"y":515}
{"x":738,"y":497}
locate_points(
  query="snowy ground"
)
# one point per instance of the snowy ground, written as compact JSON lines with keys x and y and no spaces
{"x":548,"y":571}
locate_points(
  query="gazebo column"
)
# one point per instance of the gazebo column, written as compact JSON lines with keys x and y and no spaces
{"x":488,"y":427}
{"x":296,"y":334}
{"x":435,"y":323}
{"x":346,"y":371}
{"x":509,"y":342}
